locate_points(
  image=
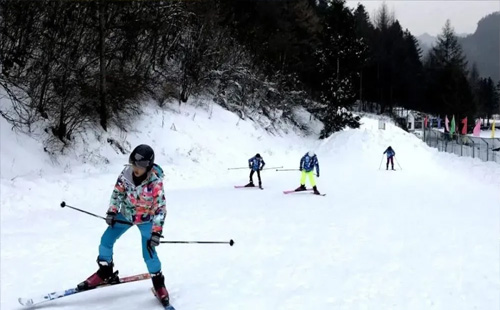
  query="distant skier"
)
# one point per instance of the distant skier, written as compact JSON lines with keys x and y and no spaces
{"x":307,"y":164}
{"x":255,"y":164}
{"x":390,"y":157}
{"x":137,"y":197}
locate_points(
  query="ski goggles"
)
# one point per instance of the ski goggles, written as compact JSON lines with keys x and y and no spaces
{"x":140,"y":163}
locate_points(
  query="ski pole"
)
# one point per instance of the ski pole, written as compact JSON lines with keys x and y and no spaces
{"x":272,"y":168}
{"x":397,"y":162}
{"x":230,"y":242}
{"x":63,"y":204}
{"x":250,"y":168}
{"x":287,"y":169}
{"x":381,"y":162}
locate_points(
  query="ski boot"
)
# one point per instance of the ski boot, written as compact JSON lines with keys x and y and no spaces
{"x":301,"y":188}
{"x":260,"y":185}
{"x":102,"y":276}
{"x":159,"y":287}
{"x":316,"y":192}
{"x":250,"y":184}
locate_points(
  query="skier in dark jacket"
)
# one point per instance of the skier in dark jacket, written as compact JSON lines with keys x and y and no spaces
{"x":255,"y":164}
{"x":390,"y":157}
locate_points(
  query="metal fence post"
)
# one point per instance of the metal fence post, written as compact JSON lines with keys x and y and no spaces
{"x":487,"y":150}
{"x":461,"y":146}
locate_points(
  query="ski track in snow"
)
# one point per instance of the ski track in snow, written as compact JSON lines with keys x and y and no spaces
{"x":425,"y":237}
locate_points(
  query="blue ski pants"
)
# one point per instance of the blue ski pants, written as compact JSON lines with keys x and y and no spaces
{"x":112,"y":234}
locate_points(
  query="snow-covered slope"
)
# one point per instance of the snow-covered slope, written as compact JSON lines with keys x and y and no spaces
{"x":421,"y":237}
{"x":187,"y":140}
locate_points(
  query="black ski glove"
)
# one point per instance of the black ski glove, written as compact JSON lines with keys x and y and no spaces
{"x":110,"y":218}
{"x":317,"y":174}
{"x":153,"y":241}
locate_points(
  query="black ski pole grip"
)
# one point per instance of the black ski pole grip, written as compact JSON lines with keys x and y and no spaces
{"x":231,"y":242}
{"x":63,"y":204}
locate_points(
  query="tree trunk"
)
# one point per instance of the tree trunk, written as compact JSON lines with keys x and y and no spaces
{"x":103,"y":111}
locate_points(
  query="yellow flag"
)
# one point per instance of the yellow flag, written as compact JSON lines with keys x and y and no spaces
{"x":493,"y":130}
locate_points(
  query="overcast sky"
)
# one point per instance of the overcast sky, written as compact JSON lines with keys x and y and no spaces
{"x":429,"y":16}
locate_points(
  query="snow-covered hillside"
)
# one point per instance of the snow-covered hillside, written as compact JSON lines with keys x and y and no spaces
{"x":421,"y":237}
{"x":188,"y":140}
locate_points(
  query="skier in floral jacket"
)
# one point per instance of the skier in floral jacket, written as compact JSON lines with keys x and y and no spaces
{"x":137,"y":198}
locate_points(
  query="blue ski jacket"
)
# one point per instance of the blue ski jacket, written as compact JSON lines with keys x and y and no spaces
{"x":256,"y":163}
{"x":308,"y":163}
{"x":390,"y":152}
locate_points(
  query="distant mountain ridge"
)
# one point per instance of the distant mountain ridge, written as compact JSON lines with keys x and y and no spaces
{"x":426,"y":41}
{"x":482,"y":47}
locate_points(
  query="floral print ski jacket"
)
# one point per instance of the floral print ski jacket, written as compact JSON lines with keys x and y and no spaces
{"x":143,"y":203}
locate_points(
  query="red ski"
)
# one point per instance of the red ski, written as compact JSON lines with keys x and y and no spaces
{"x":294,"y":191}
{"x":307,"y":190}
{"x":244,"y":186}
{"x":34,"y":301}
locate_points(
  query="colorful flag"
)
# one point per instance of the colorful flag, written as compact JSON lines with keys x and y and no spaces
{"x":425,"y":122}
{"x":493,"y":130}
{"x":477,"y":129}
{"x":452,"y":128}
{"x":446,"y":123}
{"x":430,"y":122}
{"x":464,"y":128}
{"x":439,"y":122}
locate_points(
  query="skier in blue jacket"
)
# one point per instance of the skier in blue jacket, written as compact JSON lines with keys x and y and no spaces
{"x":390,"y":157}
{"x":255,"y":164}
{"x":307,"y":164}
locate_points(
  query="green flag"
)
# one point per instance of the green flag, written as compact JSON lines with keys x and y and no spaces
{"x":452,"y":128}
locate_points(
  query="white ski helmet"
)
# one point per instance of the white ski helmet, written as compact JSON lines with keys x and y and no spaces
{"x":311,"y":153}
